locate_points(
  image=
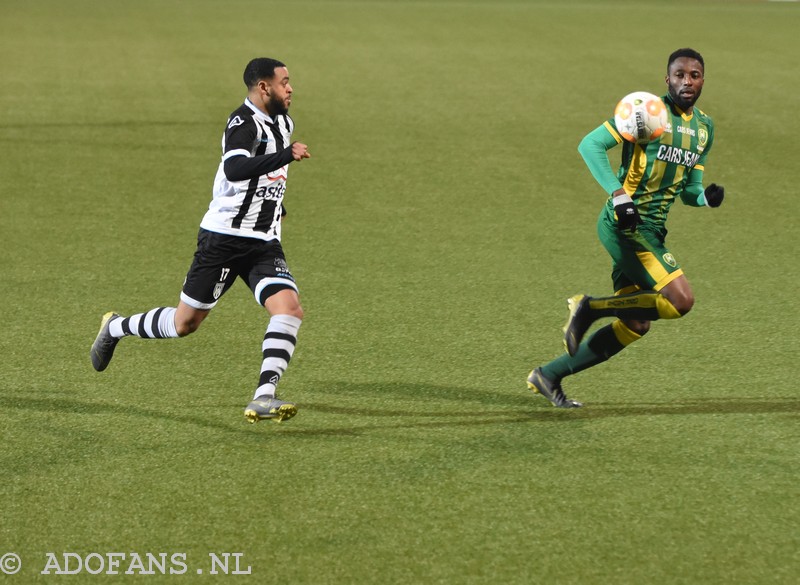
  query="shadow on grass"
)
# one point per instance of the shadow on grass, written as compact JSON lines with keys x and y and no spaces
{"x":58,"y":405}
{"x":89,"y":124}
{"x":427,"y":408}
{"x":540,"y":411}
{"x":485,"y":407}
{"x":478,"y":403}
{"x":709,"y":405}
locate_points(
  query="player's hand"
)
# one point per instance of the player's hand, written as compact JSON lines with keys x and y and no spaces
{"x":299,"y":151}
{"x":714,"y":195}
{"x":627,"y":214}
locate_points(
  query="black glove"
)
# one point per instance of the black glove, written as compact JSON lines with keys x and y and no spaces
{"x":627,"y":214}
{"x":714,"y":195}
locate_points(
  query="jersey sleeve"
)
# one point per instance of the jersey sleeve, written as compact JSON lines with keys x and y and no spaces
{"x":701,"y":162}
{"x":240,"y":136}
{"x":594,"y":149}
{"x":692,"y":193}
{"x":238,"y":162}
{"x":243,"y":168}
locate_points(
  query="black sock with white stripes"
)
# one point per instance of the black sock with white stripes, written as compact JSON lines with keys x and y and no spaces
{"x":154,"y":324}
{"x":278,"y":347}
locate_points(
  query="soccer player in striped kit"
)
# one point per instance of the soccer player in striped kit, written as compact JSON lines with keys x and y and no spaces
{"x":239,"y":237}
{"x":649,"y":283}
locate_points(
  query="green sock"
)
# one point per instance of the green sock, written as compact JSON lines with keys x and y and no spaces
{"x":603,"y":343}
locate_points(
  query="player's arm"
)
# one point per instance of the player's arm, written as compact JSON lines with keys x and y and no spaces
{"x":238,"y":163}
{"x":692,"y":193}
{"x":594,"y":149}
{"x":240,"y":167}
{"x":695,"y":195}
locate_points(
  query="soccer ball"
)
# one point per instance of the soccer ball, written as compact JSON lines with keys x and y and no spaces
{"x":640,"y":117}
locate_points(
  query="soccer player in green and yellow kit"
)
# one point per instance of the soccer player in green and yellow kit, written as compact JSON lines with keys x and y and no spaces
{"x":649,"y":283}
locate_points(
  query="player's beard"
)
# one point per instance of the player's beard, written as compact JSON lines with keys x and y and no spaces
{"x":276,"y":107}
{"x":683,"y":103}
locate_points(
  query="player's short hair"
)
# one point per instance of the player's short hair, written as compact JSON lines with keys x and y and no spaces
{"x":258,"y":69}
{"x":687,"y":52}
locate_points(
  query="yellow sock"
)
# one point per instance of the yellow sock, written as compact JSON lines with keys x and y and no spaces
{"x":624,"y":334}
{"x":643,"y":305}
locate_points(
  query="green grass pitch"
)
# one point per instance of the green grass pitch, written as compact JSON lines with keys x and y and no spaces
{"x":435,"y":234}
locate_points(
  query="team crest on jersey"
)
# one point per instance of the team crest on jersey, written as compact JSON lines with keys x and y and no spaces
{"x":702,"y":136}
{"x":237,"y":121}
{"x":670,"y":259}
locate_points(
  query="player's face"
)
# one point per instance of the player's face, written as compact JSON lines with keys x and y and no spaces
{"x":685,"y":82}
{"x":279,"y":92}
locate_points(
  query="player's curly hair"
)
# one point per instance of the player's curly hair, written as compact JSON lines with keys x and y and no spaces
{"x":687,"y":52}
{"x":258,"y":69}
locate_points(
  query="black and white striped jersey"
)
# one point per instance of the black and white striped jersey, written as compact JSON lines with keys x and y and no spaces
{"x":247,"y":200}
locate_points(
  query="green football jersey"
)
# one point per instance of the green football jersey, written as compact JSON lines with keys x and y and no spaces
{"x":655,"y":174}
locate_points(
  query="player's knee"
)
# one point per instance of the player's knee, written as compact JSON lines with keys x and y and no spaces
{"x":680,"y":297}
{"x":284,"y":302}
{"x":683,"y":303}
{"x":295,"y":311}
{"x":185,"y":327}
